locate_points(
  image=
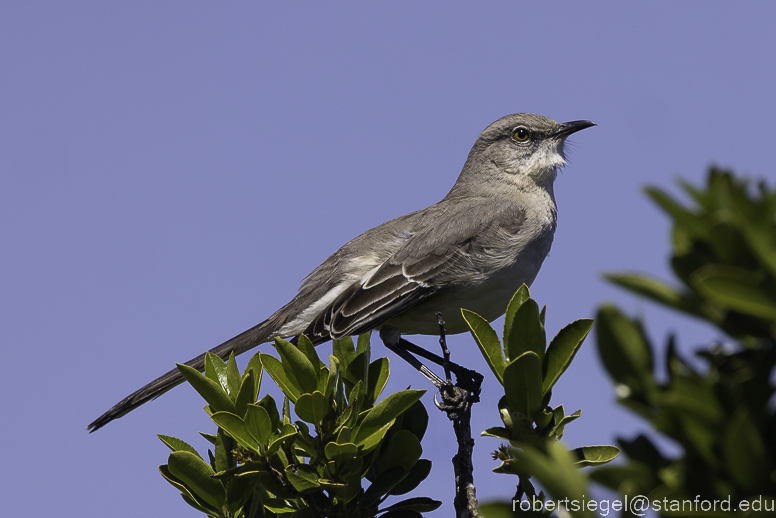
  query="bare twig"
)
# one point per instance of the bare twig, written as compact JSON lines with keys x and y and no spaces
{"x":457,"y":403}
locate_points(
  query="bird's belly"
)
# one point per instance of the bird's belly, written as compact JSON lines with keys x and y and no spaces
{"x":488,"y":298}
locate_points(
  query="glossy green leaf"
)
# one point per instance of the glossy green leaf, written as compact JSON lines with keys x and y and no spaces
{"x":497,"y":431}
{"x":307,"y":347}
{"x":488,"y":342}
{"x":299,"y":370}
{"x":418,"y":474}
{"x":373,"y":440}
{"x":520,"y":296}
{"x":274,"y":368}
{"x":736,"y":289}
{"x":333,"y":377}
{"x":336,"y":451}
{"x":523,"y":384}
{"x":268,"y":403}
{"x":187,"y":493}
{"x":403,"y":449}
{"x":562,"y":350}
{"x":215,"y":369}
{"x":258,"y":424}
{"x":303,"y":477}
{"x":254,"y":364}
{"x":526,"y":332}
{"x":358,"y":369}
{"x":233,"y":377}
{"x":379,"y":370}
{"x":245,"y":394}
{"x":312,"y":408}
{"x":415,"y":420}
{"x":344,"y":351}
{"x":210,"y":391}
{"x":235,"y":427}
{"x":363,"y":342}
{"x":386,"y":411}
{"x":383,"y":485}
{"x":197,"y":475}
{"x":176,"y":444}
{"x":595,"y":455}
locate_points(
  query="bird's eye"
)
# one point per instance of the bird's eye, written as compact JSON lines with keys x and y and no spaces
{"x":522,"y":134}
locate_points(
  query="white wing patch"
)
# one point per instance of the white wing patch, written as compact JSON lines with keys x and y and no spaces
{"x":358,"y":269}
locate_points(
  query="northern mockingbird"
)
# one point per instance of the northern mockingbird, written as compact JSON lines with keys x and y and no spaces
{"x":472,"y":250}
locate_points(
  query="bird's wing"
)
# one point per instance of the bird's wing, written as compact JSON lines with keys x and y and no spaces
{"x":444,"y":252}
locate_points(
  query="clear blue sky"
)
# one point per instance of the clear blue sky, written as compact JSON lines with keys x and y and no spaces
{"x":169,"y":172}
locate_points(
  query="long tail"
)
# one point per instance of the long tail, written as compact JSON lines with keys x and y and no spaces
{"x":239,"y":344}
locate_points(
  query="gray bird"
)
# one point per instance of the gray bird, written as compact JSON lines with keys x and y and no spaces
{"x":472,"y":250}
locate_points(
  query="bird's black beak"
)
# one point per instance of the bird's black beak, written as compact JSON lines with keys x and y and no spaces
{"x":567,"y":128}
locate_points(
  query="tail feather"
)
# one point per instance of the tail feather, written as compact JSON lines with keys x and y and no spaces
{"x":239,"y":344}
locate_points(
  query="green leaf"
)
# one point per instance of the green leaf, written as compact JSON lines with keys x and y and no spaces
{"x":745,"y":452}
{"x":258,"y":424}
{"x":274,"y":368}
{"x":245,"y":394}
{"x":210,"y":391}
{"x":176,"y":444}
{"x":363,"y":342}
{"x":233,"y":377}
{"x":340,"y":452}
{"x":497,"y":431}
{"x":235,"y":427}
{"x":526,"y":333}
{"x":420,"y":504}
{"x":415,"y":420}
{"x":624,"y":349}
{"x":555,"y":471}
{"x":254,"y":364}
{"x":312,"y":408}
{"x":595,"y":455}
{"x":488,"y":342}
{"x":379,"y":370}
{"x":562,"y":350}
{"x":418,"y":474}
{"x":344,"y":351}
{"x":658,"y":291}
{"x":385,"y":412}
{"x":299,"y":370}
{"x":523,"y":384}
{"x":520,"y":296}
{"x":736,"y":289}
{"x":307,"y":347}
{"x":332,"y":382}
{"x":383,"y":485}
{"x":303,"y":477}
{"x":215,"y":369}
{"x":187,"y":493}
{"x":197,"y":476}
{"x":268,"y":403}
{"x":403,"y":450}
{"x":373,"y":440}
{"x":358,"y":369}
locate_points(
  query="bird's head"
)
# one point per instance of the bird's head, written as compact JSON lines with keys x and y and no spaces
{"x":522,"y":149}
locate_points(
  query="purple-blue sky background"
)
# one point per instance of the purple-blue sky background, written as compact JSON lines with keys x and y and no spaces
{"x":169,"y":172}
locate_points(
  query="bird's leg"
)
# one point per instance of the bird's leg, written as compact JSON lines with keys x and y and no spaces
{"x":390,"y":341}
{"x":445,"y":350}
{"x":466,"y":378}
